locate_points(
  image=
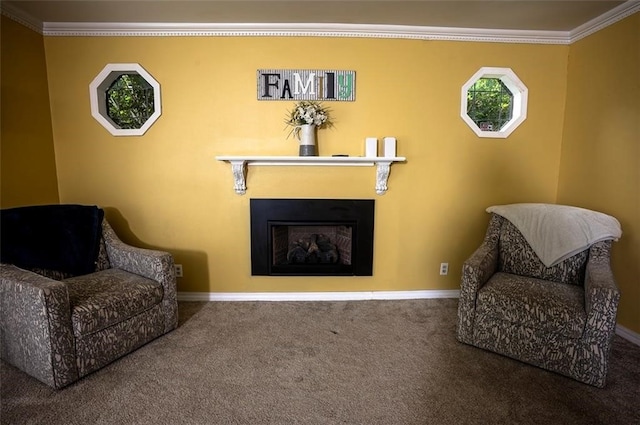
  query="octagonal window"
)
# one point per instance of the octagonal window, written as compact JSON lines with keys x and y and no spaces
{"x":494,"y":102}
{"x":125,"y":99}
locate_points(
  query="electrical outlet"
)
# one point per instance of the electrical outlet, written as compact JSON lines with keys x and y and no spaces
{"x":178,"y":268}
{"x":444,"y":268}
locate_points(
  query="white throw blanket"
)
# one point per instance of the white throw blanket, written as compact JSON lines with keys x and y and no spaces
{"x":556,"y":232}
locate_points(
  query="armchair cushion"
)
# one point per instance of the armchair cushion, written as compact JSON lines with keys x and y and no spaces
{"x":104,"y":298}
{"x":548,"y":307}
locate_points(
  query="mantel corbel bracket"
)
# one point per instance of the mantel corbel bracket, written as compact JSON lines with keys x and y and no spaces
{"x":383,"y":168}
{"x":239,"y":168}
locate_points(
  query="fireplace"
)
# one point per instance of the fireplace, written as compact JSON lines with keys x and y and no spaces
{"x":312,"y":237}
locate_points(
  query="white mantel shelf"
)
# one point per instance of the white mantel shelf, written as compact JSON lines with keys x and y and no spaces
{"x":383,"y":165}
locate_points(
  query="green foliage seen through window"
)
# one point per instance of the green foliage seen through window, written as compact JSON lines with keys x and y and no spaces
{"x":130,"y":101}
{"x":489,"y":104}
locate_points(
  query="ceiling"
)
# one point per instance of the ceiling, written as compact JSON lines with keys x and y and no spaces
{"x":540,"y":15}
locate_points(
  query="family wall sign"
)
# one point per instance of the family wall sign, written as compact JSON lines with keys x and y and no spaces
{"x":306,"y":84}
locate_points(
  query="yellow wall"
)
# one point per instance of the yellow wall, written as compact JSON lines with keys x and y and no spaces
{"x":28,"y":168}
{"x":600,"y":167}
{"x":166,"y":189}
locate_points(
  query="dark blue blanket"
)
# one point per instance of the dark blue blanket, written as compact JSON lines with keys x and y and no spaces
{"x":63,"y":238}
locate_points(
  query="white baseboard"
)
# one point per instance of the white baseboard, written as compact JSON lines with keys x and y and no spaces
{"x":628,"y":334}
{"x":317,"y":296}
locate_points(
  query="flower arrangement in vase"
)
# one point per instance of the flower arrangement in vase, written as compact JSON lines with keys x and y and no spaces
{"x":305,"y":117}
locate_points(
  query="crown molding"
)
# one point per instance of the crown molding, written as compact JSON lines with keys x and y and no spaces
{"x":609,"y":18}
{"x":21,"y":17}
{"x":111,"y":29}
{"x":143,"y":29}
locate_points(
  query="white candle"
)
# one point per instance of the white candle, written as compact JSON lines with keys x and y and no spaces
{"x":389,"y":147}
{"x":371,"y":147}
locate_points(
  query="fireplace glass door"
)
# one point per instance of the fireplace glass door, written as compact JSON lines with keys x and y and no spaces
{"x":330,"y":237}
{"x":311,"y":248}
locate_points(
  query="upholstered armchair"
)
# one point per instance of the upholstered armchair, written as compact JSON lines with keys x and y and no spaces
{"x":558,"y":314}
{"x":61,"y":323}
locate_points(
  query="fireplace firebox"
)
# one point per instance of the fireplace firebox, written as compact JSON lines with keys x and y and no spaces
{"x":312,"y":237}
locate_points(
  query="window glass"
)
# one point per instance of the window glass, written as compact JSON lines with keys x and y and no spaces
{"x":130,"y":101}
{"x":489,"y":104}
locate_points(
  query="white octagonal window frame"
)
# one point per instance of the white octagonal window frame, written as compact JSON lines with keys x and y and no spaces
{"x":98,"y":97}
{"x":520,"y":98}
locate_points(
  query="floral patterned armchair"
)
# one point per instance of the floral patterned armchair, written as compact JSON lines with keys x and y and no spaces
{"x":58,"y":326}
{"x":561,"y":317}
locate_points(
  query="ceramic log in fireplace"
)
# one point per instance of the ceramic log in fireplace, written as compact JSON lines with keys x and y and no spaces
{"x":312,"y":237}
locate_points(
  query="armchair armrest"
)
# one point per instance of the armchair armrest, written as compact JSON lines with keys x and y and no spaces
{"x":482,"y":264}
{"x":152,"y":264}
{"x":601,"y":293}
{"x":476,"y":271}
{"x":478,"y":268}
{"x":35,"y":326}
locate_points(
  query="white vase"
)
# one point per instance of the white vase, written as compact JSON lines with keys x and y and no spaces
{"x":306,"y":135}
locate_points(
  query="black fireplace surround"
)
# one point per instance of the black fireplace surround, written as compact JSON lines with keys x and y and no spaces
{"x":353,"y":219}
